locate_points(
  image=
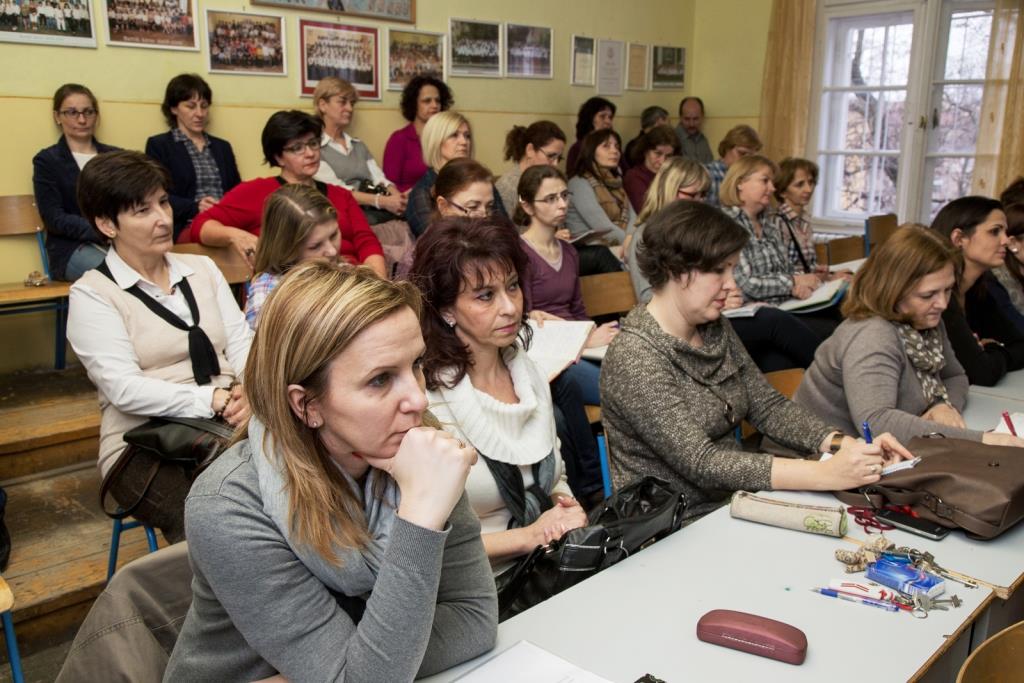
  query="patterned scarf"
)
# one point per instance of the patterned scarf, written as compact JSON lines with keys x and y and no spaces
{"x":611,"y":197}
{"x":924,"y":349}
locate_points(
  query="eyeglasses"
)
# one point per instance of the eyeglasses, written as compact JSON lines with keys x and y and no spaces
{"x":479,"y":211}
{"x":552,"y":199}
{"x":76,"y":113}
{"x":300,"y":147}
{"x":553,"y":157}
{"x":692,"y":196}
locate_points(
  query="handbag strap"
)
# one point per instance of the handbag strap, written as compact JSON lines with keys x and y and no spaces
{"x":122,"y":462}
{"x":796,"y":242}
{"x":880,"y":494}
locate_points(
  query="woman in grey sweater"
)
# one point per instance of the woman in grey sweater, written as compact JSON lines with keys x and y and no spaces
{"x":676,"y":381}
{"x":334,"y":541}
{"x":890,"y":363}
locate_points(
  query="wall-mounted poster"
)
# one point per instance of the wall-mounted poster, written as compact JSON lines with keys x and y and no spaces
{"x":414,"y":53}
{"x":239,"y":43}
{"x":582,"y":61}
{"x":67,"y":23}
{"x":668,"y":67}
{"x":611,"y":57}
{"x":528,"y":51}
{"x":637,"y":59}
{"x":348,"y":52}
{"x":389,"y":10}
{"x":162,"y":24}
{"x":474,"y":48}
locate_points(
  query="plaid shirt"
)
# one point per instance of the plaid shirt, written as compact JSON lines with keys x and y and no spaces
{"x":256,"y":292}
{"x":207,"y":174}
{"x":763,"y":272}
{"x":798,"y":242}
{"x":716,"y":169}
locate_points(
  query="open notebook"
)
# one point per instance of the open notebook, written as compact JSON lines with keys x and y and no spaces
{"x":828,"y":294}
{"x":558,"y":344}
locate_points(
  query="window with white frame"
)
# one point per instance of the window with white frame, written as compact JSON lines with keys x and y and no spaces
{"x":897,"y":96}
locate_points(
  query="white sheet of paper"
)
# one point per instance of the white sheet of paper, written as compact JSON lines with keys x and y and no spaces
{"x":558,"y":344}
{"x":596,"y":353}
{"x":748,"y":311}
{"x":822,"y":295}
{"x":1018,"y":424}
{"x":852,"y":266}
{"x":524,"y":661}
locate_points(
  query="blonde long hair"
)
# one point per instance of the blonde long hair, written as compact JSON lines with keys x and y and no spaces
{"x":675,"y":173}
{"x":740,"y":170}
{"x":311,"y":317}
{"x":289,"y":216}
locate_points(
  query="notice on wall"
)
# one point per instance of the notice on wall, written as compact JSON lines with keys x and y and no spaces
{"x":611,"y":57}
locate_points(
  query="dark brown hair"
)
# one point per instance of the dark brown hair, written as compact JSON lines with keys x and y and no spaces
{"x":411,"y":95}
{"x":457,"y":175}
{"x":588,"y":110}
{"x":529,"y":184}
{"x":652,"y":139}
{"x":1014,"y":192}
{"x":68,"y":89}
{"x":454,"y":254}
{"x":113,"y":182}
{"x":586,"y":162}
{"x":183,"y":88}
{"x":966,"y":213}
{"x":685,"y":237}
{"x":538,"y":134}
{"x":1015,"y":228}
{"x":787,"y":172}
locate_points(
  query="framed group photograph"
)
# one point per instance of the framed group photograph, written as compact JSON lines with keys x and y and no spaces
{"x":611,"y":61}
{"x":67,"y":23}
{"x":161,"y":24}
{"x":528,"y":51}
{"x":474,"y":48}
{"x":349,"y":52}
{"x":385,"y":10}
{"x":668,"y":67}
{"x":238,"y":43}
{"x":637,"y":66}
{"x":414,"y":53}
{"x":582,"y":61}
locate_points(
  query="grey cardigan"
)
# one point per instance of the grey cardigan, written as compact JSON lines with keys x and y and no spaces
{"x":585,"y":213}
{"x":861,"y":373}
{"x":257,"y":610}
{"x":670,"y":410}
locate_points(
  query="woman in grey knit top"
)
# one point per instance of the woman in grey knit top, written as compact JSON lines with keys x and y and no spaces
{"x":676,"y":381}
{"x":890,"y":363}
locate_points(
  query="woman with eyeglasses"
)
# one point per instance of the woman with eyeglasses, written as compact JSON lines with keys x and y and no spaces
{"x":541,"y":143}
{"x":446,"y":136}
{"x":291,"y":141}
{"x":72,"y":246}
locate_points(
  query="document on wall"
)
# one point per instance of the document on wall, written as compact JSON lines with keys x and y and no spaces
{"x":823,"y":297}
{"x":1018,"y":424}
{"x":524,"y":661}
{"x":558,"y":344}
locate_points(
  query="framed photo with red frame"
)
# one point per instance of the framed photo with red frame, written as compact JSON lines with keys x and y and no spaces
{"x":349,"y":52}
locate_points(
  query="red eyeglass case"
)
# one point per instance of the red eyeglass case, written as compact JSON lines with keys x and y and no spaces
{"x":754,"y":634}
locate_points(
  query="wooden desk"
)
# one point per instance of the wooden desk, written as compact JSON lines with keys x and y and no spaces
{"x":14,"y":293}
{"x":1011,"y":386}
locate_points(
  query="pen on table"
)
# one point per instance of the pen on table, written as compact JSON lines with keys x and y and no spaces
{"x":871,"y":602}
{"x":1009,"y":423}
{"x":865,"y":428}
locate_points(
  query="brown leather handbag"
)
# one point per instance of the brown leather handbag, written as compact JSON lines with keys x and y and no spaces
{"x":958,"y":484}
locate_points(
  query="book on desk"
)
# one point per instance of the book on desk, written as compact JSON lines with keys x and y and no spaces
{"x":557,"y":344}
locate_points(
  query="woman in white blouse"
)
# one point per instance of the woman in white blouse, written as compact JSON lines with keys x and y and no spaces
{"x":485,"y":389}
{"x":159,"y":334}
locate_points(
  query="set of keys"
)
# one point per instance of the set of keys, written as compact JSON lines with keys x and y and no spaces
{"x":922,"y":605}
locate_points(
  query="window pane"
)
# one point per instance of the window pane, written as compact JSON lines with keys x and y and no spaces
{"x":859,"y":184}
{"x":967,"y":50}
{"x":872,"y":51}
{"x":897,"y":57}
{"x":951,"y":179}
{"x":956,"y":111}
{"x":892,"y":114}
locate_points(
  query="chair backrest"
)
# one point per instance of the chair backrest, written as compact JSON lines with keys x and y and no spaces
{"x":877,"y":229}
{"x":997,"y":658}
{"x":230,"y":262}
{"x":18,"y":215}
{"x":786,"y":382}
{"x":845,"y":249}
{"x":607,"y":293}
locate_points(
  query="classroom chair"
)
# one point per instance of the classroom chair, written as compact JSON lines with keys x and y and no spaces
{"x":845,"y":249}
{"x":877,"y":229}
{"x":606,"y":294}
{"x":115,"y":541}
{"x":10,"y":638}
{"x":606,"y":473}
{"x":786,"y":382}
{"x":998,"y":659}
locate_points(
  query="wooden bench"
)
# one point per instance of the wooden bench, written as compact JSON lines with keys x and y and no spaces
{"x":605,"y":294}
{"x":18,"y":216}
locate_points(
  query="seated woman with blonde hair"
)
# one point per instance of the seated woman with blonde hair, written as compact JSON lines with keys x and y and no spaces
{"x":334,"y":541}
{"x":890,"y":363}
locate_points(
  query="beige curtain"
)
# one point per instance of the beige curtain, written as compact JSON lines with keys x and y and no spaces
{"x":999,"y":157}
{"x":786,"y":86}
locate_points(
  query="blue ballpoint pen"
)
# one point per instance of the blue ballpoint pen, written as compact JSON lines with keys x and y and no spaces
{"x":881,"y":604}
{"x":865,"y":428}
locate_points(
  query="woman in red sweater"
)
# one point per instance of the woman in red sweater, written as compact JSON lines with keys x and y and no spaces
{"x":291,"y":141}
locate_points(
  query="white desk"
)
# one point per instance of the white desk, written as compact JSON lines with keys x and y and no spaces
{"x":983,"y":411}
{"x":1011,"y":386}
{"x":640,"y":616}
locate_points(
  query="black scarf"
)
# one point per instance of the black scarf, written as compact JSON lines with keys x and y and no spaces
{"x":525,"y":505}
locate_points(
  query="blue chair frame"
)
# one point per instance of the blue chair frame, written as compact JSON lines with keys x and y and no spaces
{"x":11,"y":640}
{"x":58,"y":306}
{"x":115,"y":541}
{"x":606,"y":475}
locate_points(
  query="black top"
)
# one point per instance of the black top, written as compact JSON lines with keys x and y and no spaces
{"x":54,"y":181}
{"x":174,"y":155}
{"x":984,"y":365}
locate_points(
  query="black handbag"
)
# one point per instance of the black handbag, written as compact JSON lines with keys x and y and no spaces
{"x":189,"y":442}
{"x":631,"y":519}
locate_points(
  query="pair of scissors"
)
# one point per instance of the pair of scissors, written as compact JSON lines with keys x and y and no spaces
{"x":865,"y":517}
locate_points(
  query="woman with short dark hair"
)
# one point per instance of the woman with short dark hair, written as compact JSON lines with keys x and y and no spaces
{"x":202,"y":166}
{"x":676,"y":382}
{"x":291,"y":141}
{"x":422,"y":97}
{"x":655,"y":146}
{"x":597,"y":113}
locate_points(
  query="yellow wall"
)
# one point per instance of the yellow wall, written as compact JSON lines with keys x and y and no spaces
{"x":129,"y":83}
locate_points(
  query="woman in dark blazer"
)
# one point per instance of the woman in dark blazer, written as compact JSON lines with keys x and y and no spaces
{"x":202,"y":167}
{"x":72,"y":245}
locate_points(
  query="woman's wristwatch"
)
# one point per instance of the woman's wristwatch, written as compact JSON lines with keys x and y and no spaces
{"x":836,"y":442}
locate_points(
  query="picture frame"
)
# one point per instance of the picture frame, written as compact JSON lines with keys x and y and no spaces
{"x":668,"y":67}
{"x":245,"y":43}
{"x":583,"y":60}
{"x":328,"y":49}
{"x":151,"y":24}
{"x":529,"y":51}
{"x":638,"y":57}
{"x":611,"y":58}
{"x":403,"y":11}
{"x":409,"y":51}
{"x":475,"y":48}
{"x":70,"y":26}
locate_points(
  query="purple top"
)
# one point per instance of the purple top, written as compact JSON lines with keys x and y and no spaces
{"x":403,"y":158}
{"x":554,"y":291}
{"x":637,"y":180}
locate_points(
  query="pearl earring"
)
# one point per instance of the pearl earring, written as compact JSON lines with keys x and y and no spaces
{"x":450,"y":321}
